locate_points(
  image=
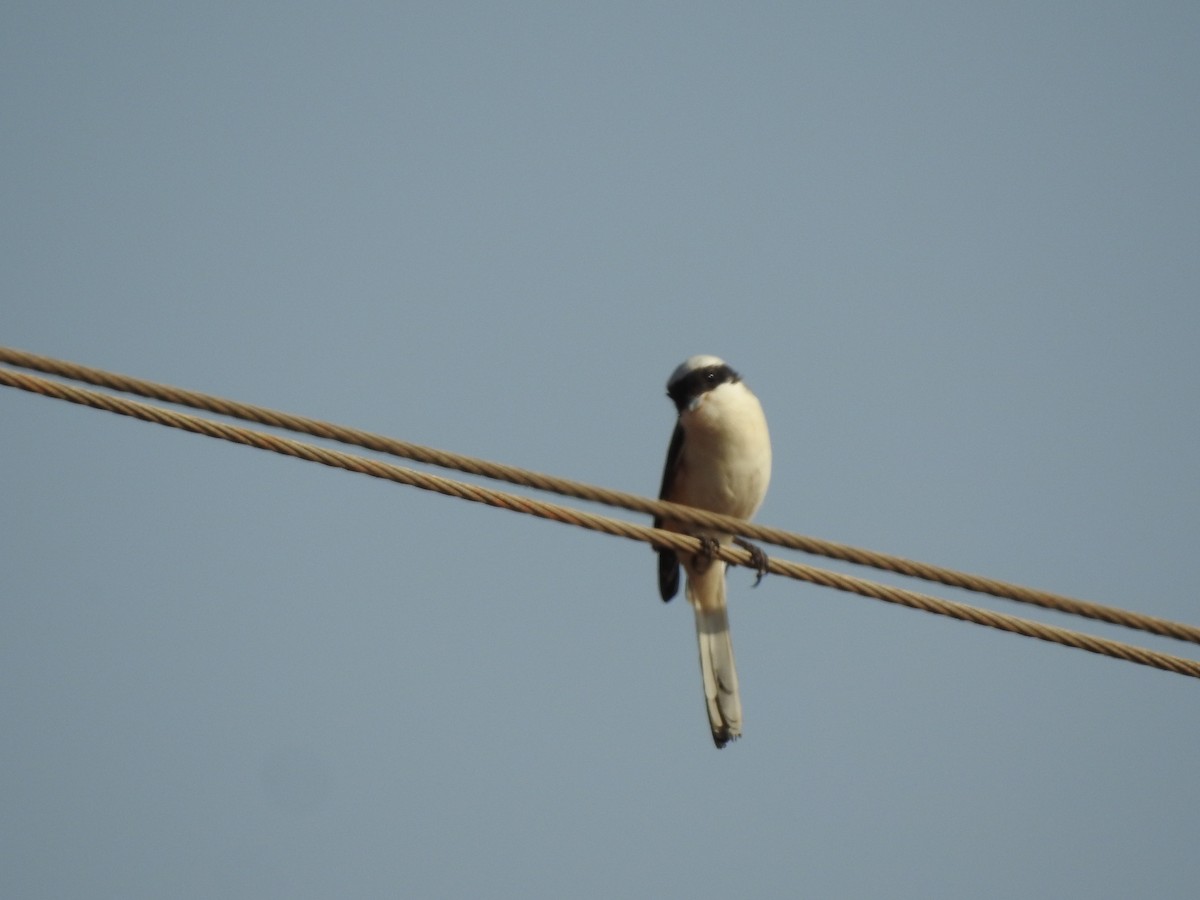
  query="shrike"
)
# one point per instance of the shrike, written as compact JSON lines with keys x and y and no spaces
{"x":719,"y":460}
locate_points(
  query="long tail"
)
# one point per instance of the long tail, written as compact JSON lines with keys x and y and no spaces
{"x":720,"y":675}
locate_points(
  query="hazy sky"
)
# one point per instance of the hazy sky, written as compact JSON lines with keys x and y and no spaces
{"x":954,"y":249}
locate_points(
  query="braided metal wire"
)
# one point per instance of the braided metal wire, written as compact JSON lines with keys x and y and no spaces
{"x":604,"y":524}
{"x":538,"y":481}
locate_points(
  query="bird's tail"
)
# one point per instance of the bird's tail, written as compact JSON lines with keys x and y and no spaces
{"x":720,"y":675}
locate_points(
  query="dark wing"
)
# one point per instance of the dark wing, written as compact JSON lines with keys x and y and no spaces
{"x":668,"y":563}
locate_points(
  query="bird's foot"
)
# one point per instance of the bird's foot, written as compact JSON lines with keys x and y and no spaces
{"x":703,"y":558}
{"x":758,"y":559}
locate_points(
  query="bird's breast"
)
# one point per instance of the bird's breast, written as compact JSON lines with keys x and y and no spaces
{"x":726,"y":453}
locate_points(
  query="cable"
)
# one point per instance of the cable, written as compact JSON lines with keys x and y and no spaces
{"x":579,"y":490}
{"x":656,"y":537}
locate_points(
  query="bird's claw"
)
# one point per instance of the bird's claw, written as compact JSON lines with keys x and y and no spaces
{"x":758,"y":559}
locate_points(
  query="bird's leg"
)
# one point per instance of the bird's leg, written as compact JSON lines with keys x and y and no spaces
{"x":709,"y":546}
{"x":758,"y":559}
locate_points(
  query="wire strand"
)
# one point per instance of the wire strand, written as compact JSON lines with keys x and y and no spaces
{"x":604,"y":524}
{"x":633,"y":502}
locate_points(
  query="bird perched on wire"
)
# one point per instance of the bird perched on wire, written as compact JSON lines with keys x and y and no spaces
{"x":720,"y":460}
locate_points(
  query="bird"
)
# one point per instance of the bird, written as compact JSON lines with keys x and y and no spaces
{"x":719,"y":459}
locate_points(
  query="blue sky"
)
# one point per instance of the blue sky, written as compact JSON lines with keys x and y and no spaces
{"x":953,"y":250}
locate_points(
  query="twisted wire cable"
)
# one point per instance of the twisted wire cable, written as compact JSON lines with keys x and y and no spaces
{"x":656,"y":537}
{"x":633,"y":502}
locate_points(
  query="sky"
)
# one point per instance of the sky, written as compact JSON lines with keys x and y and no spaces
{"x":952,"y":248}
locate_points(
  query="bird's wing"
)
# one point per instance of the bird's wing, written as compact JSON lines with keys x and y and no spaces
{"x":668,"y":563}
